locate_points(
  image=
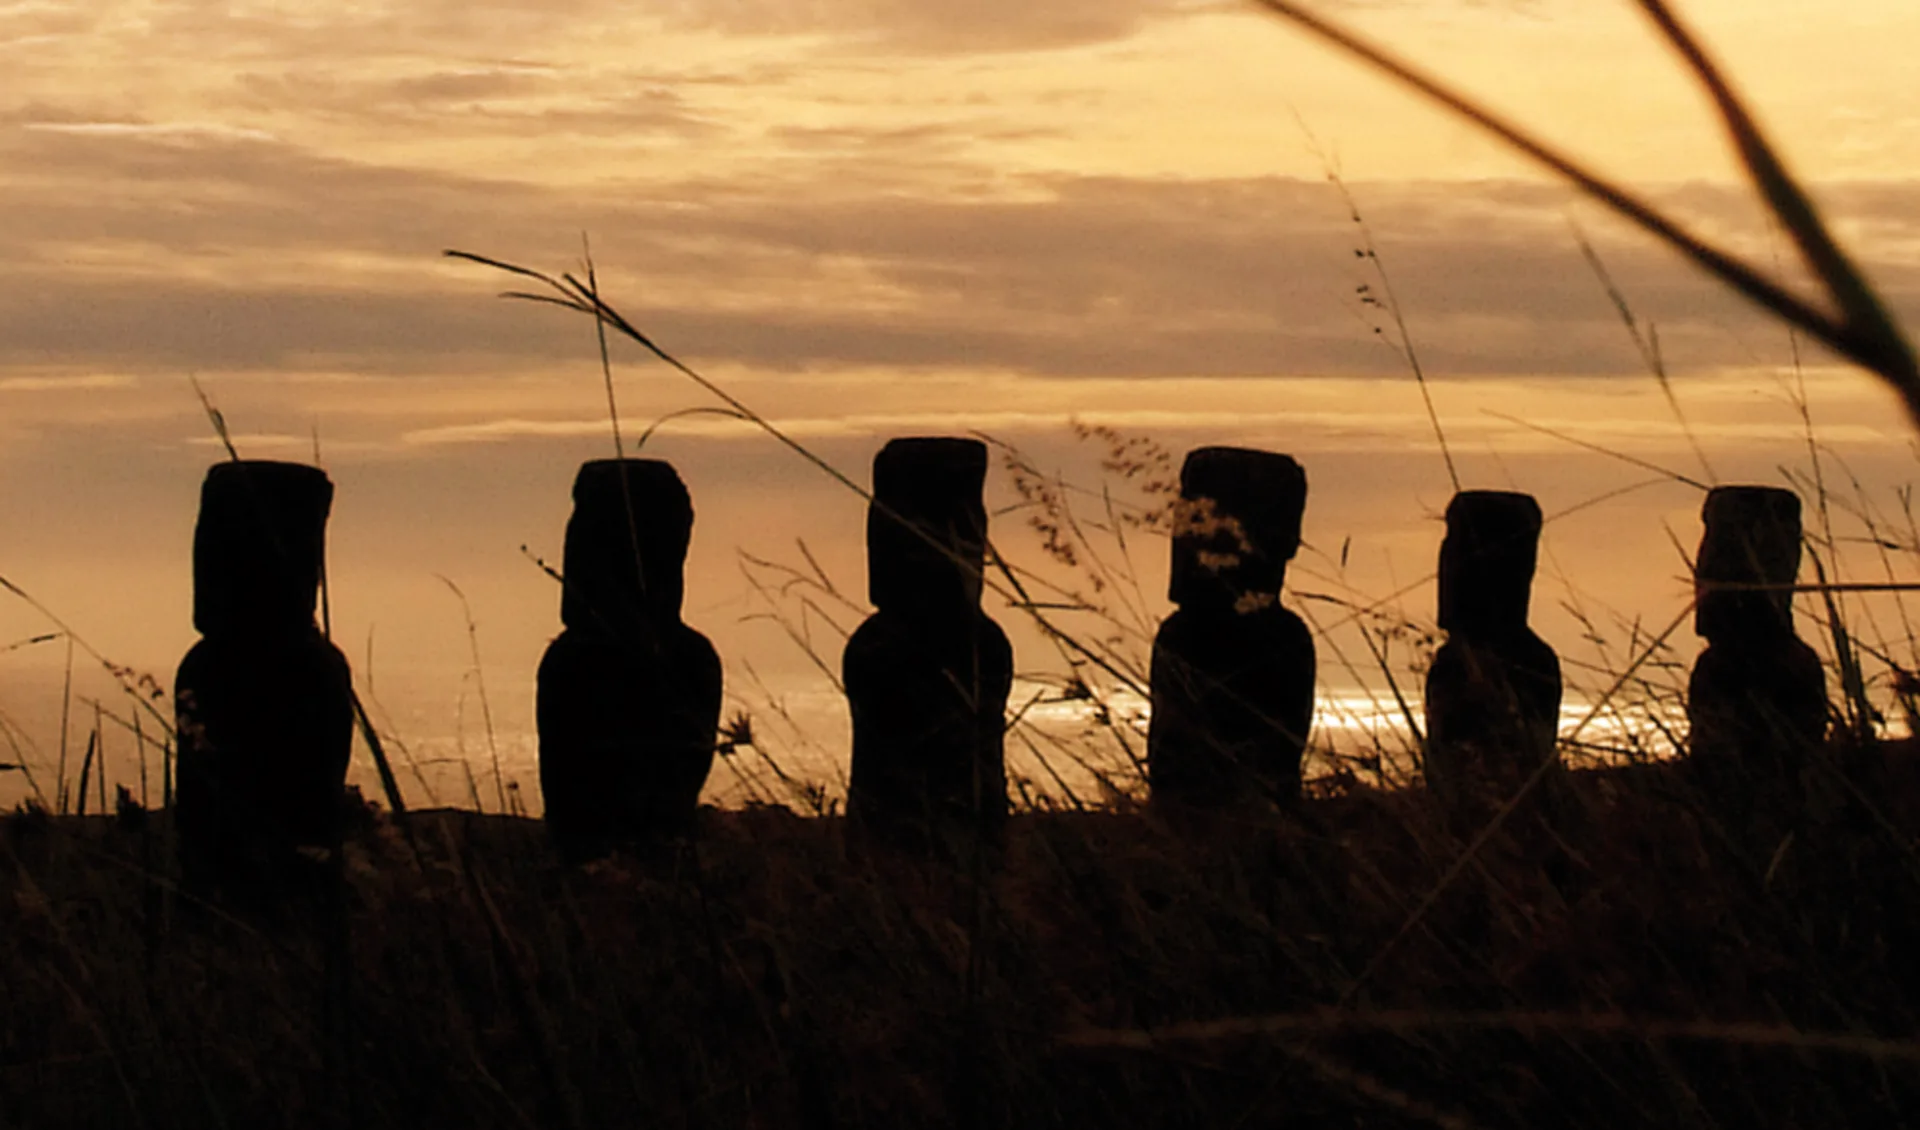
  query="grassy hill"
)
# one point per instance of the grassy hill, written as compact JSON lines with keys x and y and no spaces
{"x":1623,"y":953}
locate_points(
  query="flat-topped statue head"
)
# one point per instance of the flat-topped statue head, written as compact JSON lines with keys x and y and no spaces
{"x":1487,"y":561}
{"x":626,"y":548}
{"x":927,"y":527}
{"x":1236,"y":526}
{"x":258,"y":546}
{"x":1752,"y":536}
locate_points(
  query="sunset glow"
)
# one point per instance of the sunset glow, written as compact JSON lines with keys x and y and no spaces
{"x":868,"y":219}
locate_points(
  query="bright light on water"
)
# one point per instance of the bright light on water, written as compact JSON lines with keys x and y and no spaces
{"x":1060,"y":748}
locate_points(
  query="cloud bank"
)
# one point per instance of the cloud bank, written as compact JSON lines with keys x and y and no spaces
{"x":166,"y":247}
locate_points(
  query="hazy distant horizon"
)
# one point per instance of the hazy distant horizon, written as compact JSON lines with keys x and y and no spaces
{"x":462,"y":511}
{"x":438,"y":765}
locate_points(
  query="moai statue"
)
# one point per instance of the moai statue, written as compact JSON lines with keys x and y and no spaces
{"x":1493,"y":692}
{"x":928,"y":675}
{"x":1757,"y":701}
{"x":263,"y":702}
{"x":628,"y":704}
{"x":1233,"y":671}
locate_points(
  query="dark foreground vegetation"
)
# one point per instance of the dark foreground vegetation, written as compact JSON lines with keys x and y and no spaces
{"x":1658,"y":962}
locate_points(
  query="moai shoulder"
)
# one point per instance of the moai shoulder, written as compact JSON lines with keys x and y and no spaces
{"x":928,"y":674}
{"x":1233,"y":671}
{"x":1493,"y":692}
{"x":263,"y":701}
{"x":629,"y":696}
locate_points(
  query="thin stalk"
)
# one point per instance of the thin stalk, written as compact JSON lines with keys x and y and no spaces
{"x":1648,"y":344}
{"x":86,"y":769}
{"x":606,"y":358}
{"x":1600,"y":450}
{"x":103,"y":757}
{"x":1388,"y":302}
{"x":1418,"y":1023}
{"x":480,"y":684}
{"x":1863,"y":333}
{"x":140,"y":747}
{"x":66,"y":712}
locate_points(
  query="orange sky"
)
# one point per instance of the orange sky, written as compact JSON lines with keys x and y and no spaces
{"x":872,"y":217}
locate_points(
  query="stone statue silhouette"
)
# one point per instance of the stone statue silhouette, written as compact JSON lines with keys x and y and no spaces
{"x":1757,"y":701}
{"x":1233,"y":671}
{"x":628,"y":703}
{"x":1493,"y":692}
{"x":263,"y":701}
{"x":928,"y":674}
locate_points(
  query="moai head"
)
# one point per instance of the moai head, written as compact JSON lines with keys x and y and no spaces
{"x":1752,"y":536}
{"x":927,"y":527}
{"x":258,"y":547}
{"x":626,"y":550}
{"x":1236,"y":526}
{"x":1487,"y":561}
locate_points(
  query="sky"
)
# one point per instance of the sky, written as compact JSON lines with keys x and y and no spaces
{"x":867,"y":218}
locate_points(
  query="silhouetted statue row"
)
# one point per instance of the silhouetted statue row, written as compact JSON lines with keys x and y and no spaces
{"x":629,"y":696}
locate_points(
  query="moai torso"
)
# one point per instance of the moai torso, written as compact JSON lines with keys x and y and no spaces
{"x":928,"y":674}
{"x":1757,"y":701}
{"x":263,"y":701}
{"x":628,"y":704}
{"x":1493,"y":692}
{"x":1233,"y":671}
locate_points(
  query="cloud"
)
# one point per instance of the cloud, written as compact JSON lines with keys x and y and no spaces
{"x":67,"y":383}
{"x":1403,"y":428}
{"x":254,"y":443}
{"x":154,"y":246}
{"x":30,"y":22}
{"x":188,"y":130}
{"x":939,"y":26}
{"x":476,"y":101}
{"x":518,"y":27}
